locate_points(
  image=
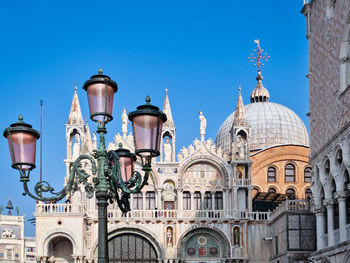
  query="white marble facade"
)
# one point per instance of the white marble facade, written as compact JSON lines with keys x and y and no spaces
{"x":197,"y":206}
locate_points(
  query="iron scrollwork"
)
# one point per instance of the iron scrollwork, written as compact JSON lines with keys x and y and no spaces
{"x":77,"y":176}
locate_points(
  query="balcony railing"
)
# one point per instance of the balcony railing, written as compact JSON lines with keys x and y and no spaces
{"x":242,"y":182}
{"x":290,"y":206}
{"x":60,"y":208}
{"x":185,"y":215}
{"x":189,"y":215}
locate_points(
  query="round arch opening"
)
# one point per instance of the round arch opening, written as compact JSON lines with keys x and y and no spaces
{"x":60,"y":250}
{"x":131,"y":247}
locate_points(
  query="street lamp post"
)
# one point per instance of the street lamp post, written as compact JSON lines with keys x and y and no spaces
{"x":113,"y":172}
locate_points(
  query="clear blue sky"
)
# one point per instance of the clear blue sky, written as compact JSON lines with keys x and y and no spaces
{"x":198,"y":49}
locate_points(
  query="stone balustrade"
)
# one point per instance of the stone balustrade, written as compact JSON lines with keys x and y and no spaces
{"x":59,"y":208}
{"x":242,"y":182}
{"x":185,"y":215}
{"x":290,"y":206}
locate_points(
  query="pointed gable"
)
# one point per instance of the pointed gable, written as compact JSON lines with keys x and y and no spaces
{"x":75,"y":116}
{"x":167,"y":111}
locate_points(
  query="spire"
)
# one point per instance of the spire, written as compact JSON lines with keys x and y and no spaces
{"x":167,"y":111}
{"x":259,"y":94}
{"x":75,"y":116}
{"x":239,"y":117}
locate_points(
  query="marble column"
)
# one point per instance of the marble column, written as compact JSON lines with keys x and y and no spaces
{"x":180,"y":201}
{"x":320,"y":226}
{"x":329,"y":204}
{"x":201,"y":206}
{"x":341,"y":196}
{"x":250,"y":201}
{"x":213,"y":201}
{"x":192,"y":201}
{"x":159,"y":199}
{"x":235,"y":198}
{"x":143,"y":200}
{"x":225,"y":199}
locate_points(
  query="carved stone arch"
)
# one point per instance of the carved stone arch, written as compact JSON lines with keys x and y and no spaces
{"x":346,"y":152}
{"x":203,"y":159}
{"x":197,"y":228}
{"x":324,"y":174}
{"x":218,"y":189}
{"x":316,"y":189}
{"x":330,"y":187}
{"x":58,"y":232}
{"x":137,"y":230}
{"x":243,"y":132}
{"x":340,"y":178}
{"x":209,"y":189}
{"x":167,"y":132}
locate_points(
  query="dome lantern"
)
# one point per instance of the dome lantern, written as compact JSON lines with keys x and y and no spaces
{"x":259,"y":94}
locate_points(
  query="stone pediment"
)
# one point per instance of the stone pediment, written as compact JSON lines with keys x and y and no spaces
{"x":198,"y":148}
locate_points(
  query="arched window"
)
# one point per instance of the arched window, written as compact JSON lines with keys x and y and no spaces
{"x":272,"y":190}
{"x":289,"y":173}
{"x":290,"y":193}
{"x":218,"y":201}
{"x":307,"y":175}
{"x":186,"y":200}
{"x":208,"y":200}
{"x":197,"y":200}
{"x":308,"y":194}
{"x":150,"y":200}
{"x":271,"y":174}
{"x":138,"y":201}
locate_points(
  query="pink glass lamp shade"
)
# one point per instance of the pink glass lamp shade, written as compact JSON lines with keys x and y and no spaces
{"x":126,"y":162}
{"x":147,"y":122}
{"x":21,"y":139}
{"x":100,"y":90}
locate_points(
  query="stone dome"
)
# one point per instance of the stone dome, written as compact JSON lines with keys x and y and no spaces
{"x":271,"y":124}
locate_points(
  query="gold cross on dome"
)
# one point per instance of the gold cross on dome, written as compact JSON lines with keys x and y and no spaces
{"x":260,"y":57}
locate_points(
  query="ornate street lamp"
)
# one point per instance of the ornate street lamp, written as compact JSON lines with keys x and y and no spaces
{"x":113,"y":172}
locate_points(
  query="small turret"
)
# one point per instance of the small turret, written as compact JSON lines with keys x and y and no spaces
{"x":9,"y":206}
{"x":259,"y":94}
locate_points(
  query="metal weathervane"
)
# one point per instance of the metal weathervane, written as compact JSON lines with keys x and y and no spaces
{"x":260,"y":57}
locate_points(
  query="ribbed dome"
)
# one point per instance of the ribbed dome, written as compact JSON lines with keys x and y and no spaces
{"x":271,"y":124}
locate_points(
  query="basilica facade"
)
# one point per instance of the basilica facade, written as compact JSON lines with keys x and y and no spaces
{"x":199,"y":203}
